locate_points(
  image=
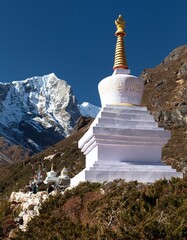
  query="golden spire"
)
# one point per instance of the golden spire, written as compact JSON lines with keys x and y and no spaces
{"x":120,"y":55}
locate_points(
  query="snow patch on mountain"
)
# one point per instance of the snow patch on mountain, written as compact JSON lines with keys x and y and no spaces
{"x":88,"y":110}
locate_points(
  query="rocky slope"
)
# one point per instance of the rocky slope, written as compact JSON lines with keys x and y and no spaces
{"x":165,"y":95}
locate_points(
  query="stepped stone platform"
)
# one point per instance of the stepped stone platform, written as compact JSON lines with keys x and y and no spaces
{"x":124,"y":142}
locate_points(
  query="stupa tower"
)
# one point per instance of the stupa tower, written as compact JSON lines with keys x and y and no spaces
{"x":124,"y":141}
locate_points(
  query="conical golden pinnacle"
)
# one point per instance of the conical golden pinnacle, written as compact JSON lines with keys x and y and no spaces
{"x":120,"y":55}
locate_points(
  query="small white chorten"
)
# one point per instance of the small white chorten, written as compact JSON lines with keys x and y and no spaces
{"x":51,"y":176}
{"x":63,"y":179}
{"x":124,"y":141}
{"x":63,"y":174}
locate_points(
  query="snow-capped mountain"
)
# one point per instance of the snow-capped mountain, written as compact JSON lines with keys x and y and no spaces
{"x":87,"y":109}
{"x":37,"y":112}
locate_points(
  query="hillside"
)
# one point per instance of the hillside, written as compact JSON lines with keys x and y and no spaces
{"x":116,"y":210}
{"x":17,"y":176}
{"x":66,"y":154}
{"x":165,"y":95}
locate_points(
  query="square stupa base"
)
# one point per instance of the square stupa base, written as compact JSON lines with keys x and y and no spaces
{"x":124,"y":142}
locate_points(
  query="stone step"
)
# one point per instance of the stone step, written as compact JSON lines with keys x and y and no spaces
{"x":123,"y":107}
{"x":127,"y":116}
{"x":133,"y":110}
{"x":145,"y":176}
{"x":126,"y":123}
{"x":122,"y":167}
{"x":143,"y":133}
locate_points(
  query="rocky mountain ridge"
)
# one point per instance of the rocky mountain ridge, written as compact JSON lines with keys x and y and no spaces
{"x":36,"y":113}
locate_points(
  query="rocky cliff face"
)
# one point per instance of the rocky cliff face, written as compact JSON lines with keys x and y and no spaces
{"x":36,"y":113}
{"x":165,"y":95}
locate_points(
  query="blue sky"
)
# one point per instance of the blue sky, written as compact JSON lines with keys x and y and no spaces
{"x":75,"y":38}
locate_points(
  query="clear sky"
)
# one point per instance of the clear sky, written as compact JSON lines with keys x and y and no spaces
{"x":75,"y":38}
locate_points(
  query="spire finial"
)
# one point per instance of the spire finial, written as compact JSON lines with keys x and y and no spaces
{"x":52,"y":170}
{"x":120,"y":56}
{"x":120,"y":25}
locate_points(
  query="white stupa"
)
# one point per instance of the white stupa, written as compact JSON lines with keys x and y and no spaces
{"x":63,"y":179}
{"x":51,"y":176}
{"x":124,"y":141}
{"x":63,"y":174}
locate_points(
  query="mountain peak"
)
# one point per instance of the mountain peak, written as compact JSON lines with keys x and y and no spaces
{"x":88,"y":109}
{"x":38,"y":111}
